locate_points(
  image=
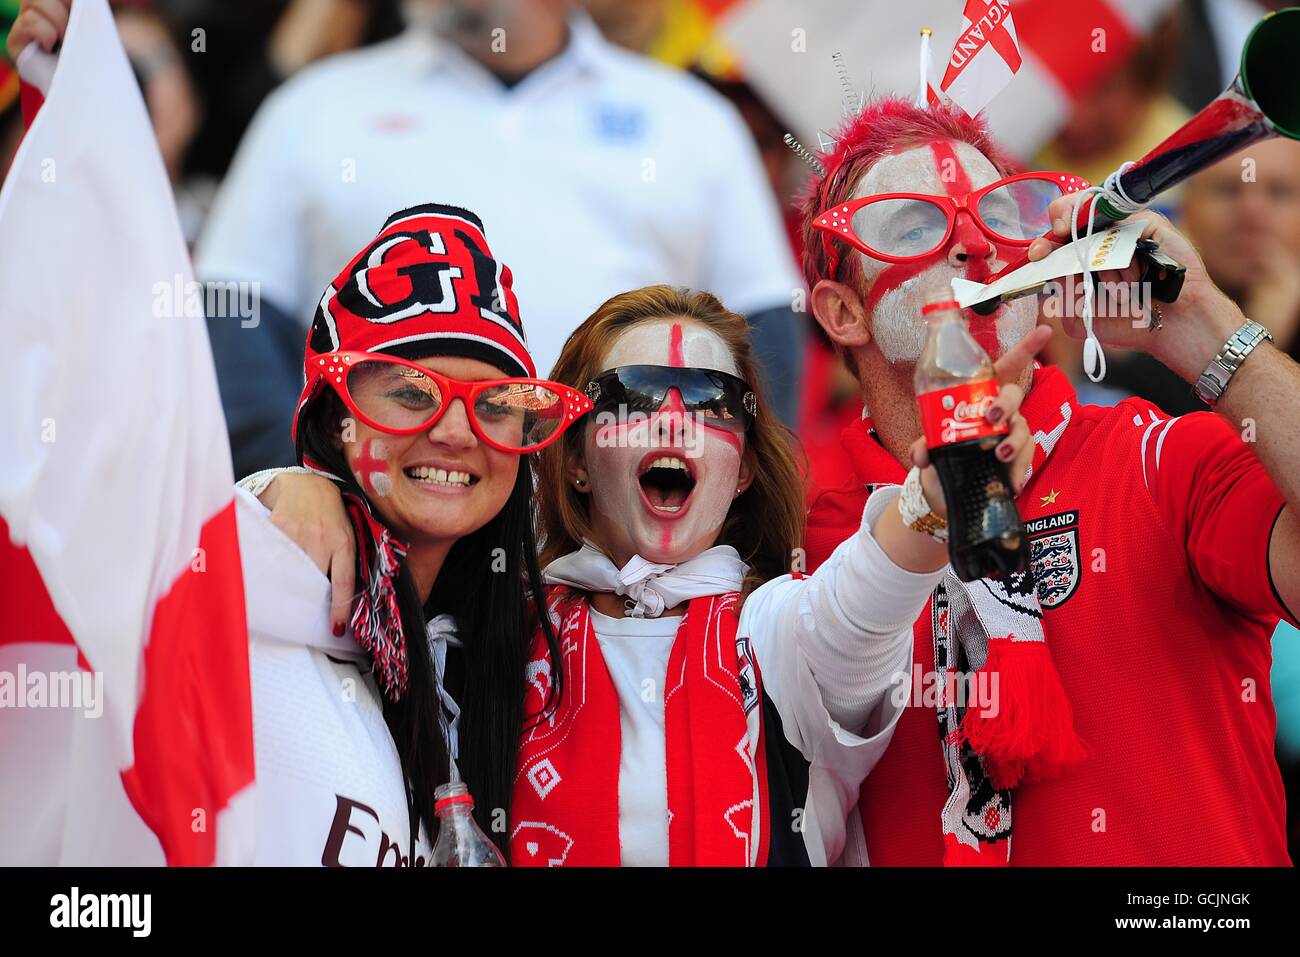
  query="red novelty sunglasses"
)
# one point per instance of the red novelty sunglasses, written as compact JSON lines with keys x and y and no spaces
{"x":905,"y":227}
{"x":401,"y":398}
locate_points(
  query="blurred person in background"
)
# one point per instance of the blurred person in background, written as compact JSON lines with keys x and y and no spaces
{"x":1209,"y":47}
{"x":169,"y":94}
{"x":171,"y":99}
{"x":1243,"y":215}
{"x":1128,"y":112}
{"x":602,"y":170}
{"x":633,"y":24}
{"x":238,"y":51}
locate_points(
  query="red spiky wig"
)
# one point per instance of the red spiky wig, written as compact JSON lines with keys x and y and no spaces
{"x":887,"y":125}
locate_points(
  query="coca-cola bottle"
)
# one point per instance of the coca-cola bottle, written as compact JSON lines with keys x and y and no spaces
{"x":955,"y":386}
{"x":461,"y":842}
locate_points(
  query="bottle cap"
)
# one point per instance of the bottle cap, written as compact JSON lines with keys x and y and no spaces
{"x":453,"y":801}
{"x":930,"y":307}
{"x":451,"y":795}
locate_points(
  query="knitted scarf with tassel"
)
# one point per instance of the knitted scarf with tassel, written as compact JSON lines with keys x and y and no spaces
{"x":1018,"y":726}
{"x":376,"y":619}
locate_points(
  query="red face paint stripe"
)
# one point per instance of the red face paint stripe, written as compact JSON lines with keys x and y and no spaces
{"x":675,"y":347}
{"x":951,"y":173}
{"x":957,"y":182}
{"x":893,"y":277}
{"x":673,"y":403}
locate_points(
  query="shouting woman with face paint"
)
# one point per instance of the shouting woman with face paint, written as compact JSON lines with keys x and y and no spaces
{"x":716,"y":708}
{"x":420,"y":402}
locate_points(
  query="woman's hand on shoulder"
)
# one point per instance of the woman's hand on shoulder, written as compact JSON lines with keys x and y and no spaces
{"x":309,"y":509}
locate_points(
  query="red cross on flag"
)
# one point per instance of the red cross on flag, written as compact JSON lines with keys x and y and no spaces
{"x":126,"y":726}
{"x":985,"y":57}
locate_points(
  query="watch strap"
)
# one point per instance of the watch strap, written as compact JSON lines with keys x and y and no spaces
{"x":1213,"y":382}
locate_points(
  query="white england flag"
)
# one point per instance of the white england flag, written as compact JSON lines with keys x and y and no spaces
{"x":985,"y":57}
{"x":125,"y":714}
{"x":784,"y":48}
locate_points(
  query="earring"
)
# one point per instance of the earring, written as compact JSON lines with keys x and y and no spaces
{"x":581,"y":483}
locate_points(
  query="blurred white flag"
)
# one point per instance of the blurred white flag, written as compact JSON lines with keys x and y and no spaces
{"x":985,"y":57}
{"x":784,"y":49}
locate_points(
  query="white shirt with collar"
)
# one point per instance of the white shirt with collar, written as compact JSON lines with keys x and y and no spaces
{"x":834,"y":649}
{"x":599,"y":172}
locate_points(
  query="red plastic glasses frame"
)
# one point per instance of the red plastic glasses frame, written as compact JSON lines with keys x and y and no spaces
{"x":333,"y":368}
{"x":837,"y":221}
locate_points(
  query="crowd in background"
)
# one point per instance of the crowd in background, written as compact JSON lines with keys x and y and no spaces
{"x":610,"y":144}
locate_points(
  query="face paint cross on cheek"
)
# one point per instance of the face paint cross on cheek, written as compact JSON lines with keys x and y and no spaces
{"x":371,"y":466}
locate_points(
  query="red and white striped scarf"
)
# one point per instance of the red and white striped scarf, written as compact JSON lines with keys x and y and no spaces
{"x":565,"y":803}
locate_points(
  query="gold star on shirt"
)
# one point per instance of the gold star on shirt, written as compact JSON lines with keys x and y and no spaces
{"x":1049,"y":499}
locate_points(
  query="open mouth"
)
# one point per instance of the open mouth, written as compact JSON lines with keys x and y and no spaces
{"x":446,"y":478}
{"x":666,"y":483}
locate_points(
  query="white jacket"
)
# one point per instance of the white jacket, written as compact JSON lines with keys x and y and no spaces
{"x":330,"y":786}
{"x":330,"y":789}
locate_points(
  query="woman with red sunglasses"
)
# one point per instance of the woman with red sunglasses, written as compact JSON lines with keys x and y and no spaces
{"x":420,"y":405}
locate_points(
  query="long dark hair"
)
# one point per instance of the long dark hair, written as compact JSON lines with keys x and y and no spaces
{"x":490,"y":583}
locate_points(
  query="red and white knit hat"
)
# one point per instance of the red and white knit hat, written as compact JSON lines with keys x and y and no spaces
{"x":427,"y":285}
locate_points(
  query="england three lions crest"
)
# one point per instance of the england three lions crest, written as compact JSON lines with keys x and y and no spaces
{"x":1054,"y":556}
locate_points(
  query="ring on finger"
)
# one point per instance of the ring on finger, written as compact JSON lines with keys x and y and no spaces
{"x":1157,"y":318}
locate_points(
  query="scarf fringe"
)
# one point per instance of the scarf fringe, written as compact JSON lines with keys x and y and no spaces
{"x":1032,"y":736}
{"x":377,"y":621}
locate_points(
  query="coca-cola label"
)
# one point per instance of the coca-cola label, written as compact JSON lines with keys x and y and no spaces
{"x":957,"y":414}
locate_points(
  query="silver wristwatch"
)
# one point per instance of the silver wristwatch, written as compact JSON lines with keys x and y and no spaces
{"x":1214,"y":380}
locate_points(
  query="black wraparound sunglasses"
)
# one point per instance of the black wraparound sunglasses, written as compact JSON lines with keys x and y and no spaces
{"x":722,"y":400}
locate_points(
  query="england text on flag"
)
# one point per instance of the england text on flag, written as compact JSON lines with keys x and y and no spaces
{"x":118,"y":549}
{"x":985,"y":57}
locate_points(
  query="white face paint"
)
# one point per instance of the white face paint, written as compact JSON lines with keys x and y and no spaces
{"x":674,"y":512}
{"x":937,"y":169}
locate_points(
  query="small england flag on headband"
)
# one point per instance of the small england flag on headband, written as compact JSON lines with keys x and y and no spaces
{"x":985,"y":57}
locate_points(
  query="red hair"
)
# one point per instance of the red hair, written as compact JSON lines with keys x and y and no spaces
{"x":888,"y":125}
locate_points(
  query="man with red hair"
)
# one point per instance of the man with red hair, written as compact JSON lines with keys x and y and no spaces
{"x":1164,"y":549}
